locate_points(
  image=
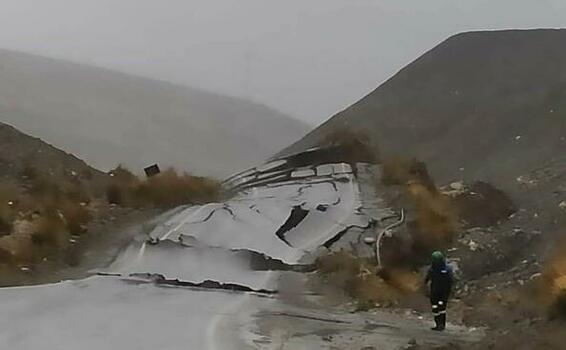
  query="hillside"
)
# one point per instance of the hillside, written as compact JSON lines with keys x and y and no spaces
{"x":107,"y":118}
{"x":21,"y":154}
{"x":481,"y":109}
{"x":482,"y":105}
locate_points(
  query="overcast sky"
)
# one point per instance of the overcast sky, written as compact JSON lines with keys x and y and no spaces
{"x":308,"y":58}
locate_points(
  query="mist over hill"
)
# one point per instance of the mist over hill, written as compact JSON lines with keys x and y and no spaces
{"x":481,"y":105}
{"x":107,"y":118}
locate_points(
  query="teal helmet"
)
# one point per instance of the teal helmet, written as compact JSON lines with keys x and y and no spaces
{"x":437,"y":256}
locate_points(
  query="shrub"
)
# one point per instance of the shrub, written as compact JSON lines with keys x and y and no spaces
{"x":78,"y":193}
{"x":558,"y":308}
{"x":43,"y":187}
{"x":359,"y":279}
{"x":402,"y":171}
{"x":76,"y":216}
{"x":50,"y":231}
{"x":167,"y":189}
{"x":338,"y":262}
{"x":553,"y":283}
{"x":122,"y":175}
{"x":434,"y":222}
{"x":115,"y":194}
{"x":171,"y":189}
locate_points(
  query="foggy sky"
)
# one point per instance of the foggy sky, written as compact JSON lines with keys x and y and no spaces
{"x":308,"y":58}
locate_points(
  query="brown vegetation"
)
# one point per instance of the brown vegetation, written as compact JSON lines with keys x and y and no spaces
{"x":436,"y":224}
{"x":41,"y":211}
{"x":167,"y":189}
{"x":553,"y":285}
{"x":401,"y":171}
{"x":359,"y":279}
{"x":38,"y":215}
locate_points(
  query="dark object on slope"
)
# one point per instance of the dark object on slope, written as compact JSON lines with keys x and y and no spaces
{"x":298,"y":214}
{"x":152,"y":171}
{"x":484,"y":205}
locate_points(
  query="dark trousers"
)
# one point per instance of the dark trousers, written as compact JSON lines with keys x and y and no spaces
{"x":439,"y":302}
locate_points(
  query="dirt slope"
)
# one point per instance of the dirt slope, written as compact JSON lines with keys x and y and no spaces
{"x":19,"y":153}
{"x":106,"y":117}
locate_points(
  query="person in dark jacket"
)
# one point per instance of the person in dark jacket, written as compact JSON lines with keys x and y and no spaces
{"x":441,"y":279}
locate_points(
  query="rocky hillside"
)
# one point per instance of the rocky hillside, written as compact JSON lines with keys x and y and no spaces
{"x":21,"y":155}
{"x":483,"y":105}
{"x":106,"y":118}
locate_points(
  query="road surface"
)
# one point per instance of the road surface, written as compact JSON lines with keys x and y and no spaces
{"x":211,"y":277}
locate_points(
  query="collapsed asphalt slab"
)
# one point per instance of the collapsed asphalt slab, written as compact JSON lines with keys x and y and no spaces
{"x":192,"y":274}
{"x":218,"y":276}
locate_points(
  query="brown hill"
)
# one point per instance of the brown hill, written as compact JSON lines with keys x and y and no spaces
{"x":480,"y":106}
{"x":21,"y":154}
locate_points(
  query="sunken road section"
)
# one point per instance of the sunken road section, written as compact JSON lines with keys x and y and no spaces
{"x":193,"y":281}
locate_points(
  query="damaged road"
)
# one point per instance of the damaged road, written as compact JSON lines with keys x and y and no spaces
{"x":193,"y":281}
{"x":217,"y":276}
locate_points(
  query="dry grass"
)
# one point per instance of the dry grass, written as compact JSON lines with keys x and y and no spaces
{"x":38,"y":215}
{"x":553,"y":283}
{"x":402,"y":171}
{"x":50,"y":231}
{"x":558,"y":309}
{"x":165,"y":190}
{"x":434,"y":223}
{"x":359,"y":279}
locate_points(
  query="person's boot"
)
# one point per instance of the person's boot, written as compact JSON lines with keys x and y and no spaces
{"x":440,"y":323}
{"x":437,"y":320}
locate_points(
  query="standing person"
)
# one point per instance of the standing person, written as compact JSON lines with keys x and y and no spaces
{"x":440,"y":278}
